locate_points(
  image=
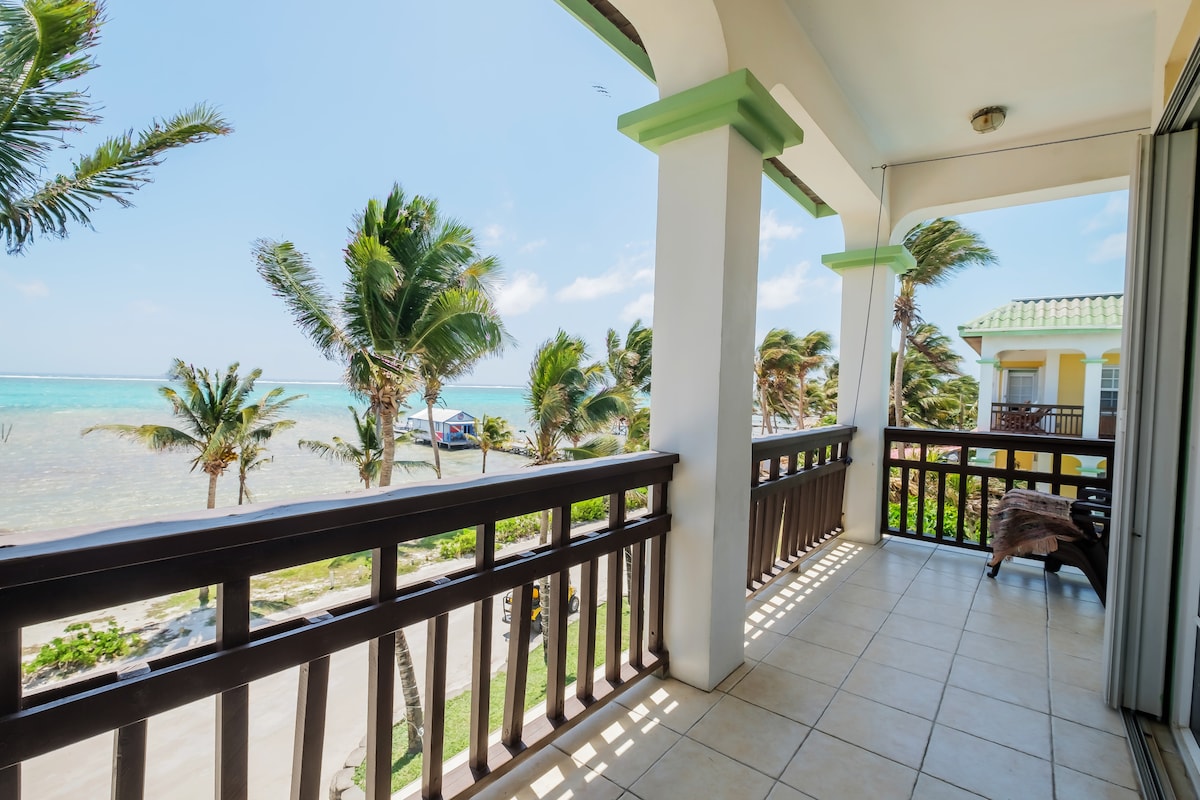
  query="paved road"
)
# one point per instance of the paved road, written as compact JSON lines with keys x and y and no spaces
{"x":180,"y":755}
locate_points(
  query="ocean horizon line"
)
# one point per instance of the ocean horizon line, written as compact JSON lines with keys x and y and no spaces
{"x":286,"y":382}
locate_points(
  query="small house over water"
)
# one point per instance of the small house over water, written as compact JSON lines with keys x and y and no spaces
{"x":451,"y":427}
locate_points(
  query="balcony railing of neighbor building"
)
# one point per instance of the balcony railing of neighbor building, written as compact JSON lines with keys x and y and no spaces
{"x":940,"y":486}
{"x":797,"y":482}
{"x":1037,"y":418}
{"x":53,"y":580}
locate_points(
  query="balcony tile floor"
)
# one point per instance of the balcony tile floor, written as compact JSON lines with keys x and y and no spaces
{"x":889,"y":671}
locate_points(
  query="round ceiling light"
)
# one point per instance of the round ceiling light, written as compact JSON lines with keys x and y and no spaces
{"x":986,"y":120}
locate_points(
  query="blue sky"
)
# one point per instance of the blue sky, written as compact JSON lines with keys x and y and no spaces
{"x":489,"y":107}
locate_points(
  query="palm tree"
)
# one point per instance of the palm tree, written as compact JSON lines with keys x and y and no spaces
{"x":415,"y":308}
{"x":776,"y":366}
{"x":493,"y":432}
{"x":930,"y":400}
{"x":814,"y":351}
{"x":629,"y":363}
{"x":941,"y":247}
{"x":256,"y":425}
{"x":366,"y":452}
{"x":44,"y":46}
{"x":214,"y":412}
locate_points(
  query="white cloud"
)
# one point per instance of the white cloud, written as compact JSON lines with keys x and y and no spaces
{"x":530,"y":247}
{"x":642,"y":308}
{"x":785,"y":289}
{"x":34,"y":289}
{"x":519,"y":294}
{"x":1115,"y":209}
{"x":1110,"y":248}
{"x":493,"y":235}
{"x":629,"y":272}
{"x":770,"y":229}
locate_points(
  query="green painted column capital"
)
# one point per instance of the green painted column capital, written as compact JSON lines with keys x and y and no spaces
{"x":895,"y":256}
{"x":988,"y":361}
{"x":737,"y":100}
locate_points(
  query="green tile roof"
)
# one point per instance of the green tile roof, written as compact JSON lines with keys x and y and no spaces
{"x":1092,"y":312}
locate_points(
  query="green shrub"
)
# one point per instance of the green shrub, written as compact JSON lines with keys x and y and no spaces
{"x":589,"y":510}
{"x":457,"y":546}
{"x":516,"y":528}
{"x":635,"y":499}
{"x":84,"y":649}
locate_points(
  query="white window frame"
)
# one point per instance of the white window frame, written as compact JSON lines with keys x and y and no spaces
{"x":1034,"y":377}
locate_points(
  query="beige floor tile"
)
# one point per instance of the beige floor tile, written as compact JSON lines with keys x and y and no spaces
{"x":553,"y":775}
{"x":872,"y":597}
{"x":759,"y":642}
{"x":784,"y":792}
{"x":1020,"y":580}
{"x":732,"y":678}
{"x":930,"y":788}
{"x":1031,"y":608}
{"x":1069,"y":619}
{"x":812,"y":661}
{"x":1021,"y":656}
{"x":1014,"y":630}
{"x":843,"y":612}
{"x":749,"y":734}
{"x":896,"y":688}
{"x":1008,"y":724}
{"x":919,"y":607}
{"x":845,"y":638}
{"x":948,"y":580}
{"x":939,"y":595}
{"x":830,"y":769}
{"x":881,"y":729}
{"x":986,"y":768}
{"x":1072,"y":785}
{"x":1085,"y":707}
{"x":1001,"y":683}
{"x":796,"y":697}
{"x":1081,"y":672}
{"x":922,"y":631}
{"x":618,"y":745}
{"x":1080,"y":645}
{"x":669,"y":702}
{"x":1094,"y":752}
{"x":895,"y":580}
{"x":909,"y":656}
{"x":690,"y":770}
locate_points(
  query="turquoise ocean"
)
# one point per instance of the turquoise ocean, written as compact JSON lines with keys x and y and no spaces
{"x":52,"y":477}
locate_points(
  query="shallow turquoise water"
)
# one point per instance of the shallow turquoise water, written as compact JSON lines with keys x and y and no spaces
{"x":51,"y":477}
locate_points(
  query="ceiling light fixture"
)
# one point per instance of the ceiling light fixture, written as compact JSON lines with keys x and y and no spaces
{"x":986,"y":120}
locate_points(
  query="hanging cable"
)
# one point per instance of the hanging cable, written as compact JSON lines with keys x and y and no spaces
{"x":1015,"y":147}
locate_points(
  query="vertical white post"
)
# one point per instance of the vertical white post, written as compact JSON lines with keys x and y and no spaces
{"x":987,"y":393}
{"x":1050,"y":378}
{"x":711,"y":141}
{"x":864,"y":355}
{"x":1092,"y":372}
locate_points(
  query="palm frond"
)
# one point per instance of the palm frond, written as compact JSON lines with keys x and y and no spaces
{"x":291,"y":277}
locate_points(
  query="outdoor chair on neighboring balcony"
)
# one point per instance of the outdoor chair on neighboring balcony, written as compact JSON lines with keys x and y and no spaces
{"x":1061,"y":529}
{"x":1023,"y":419}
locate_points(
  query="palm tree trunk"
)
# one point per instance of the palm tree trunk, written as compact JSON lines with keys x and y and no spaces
{"x":433,"y":442}
{"x":763,"y":409}
{"x":413,"y":718}
{"x":212,"y":489}
{"x":898,"y":377}
{"x":801,"y":376}
{"x":484,"y":449}
{"x":241,"y":488}
{"x":387,"y":432}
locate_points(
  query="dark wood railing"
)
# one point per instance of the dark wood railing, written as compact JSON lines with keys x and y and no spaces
{"x":53,"y":580}
{"x":1037,"y":418}
{"x":938,"y":488}
{"x":796,"y":489}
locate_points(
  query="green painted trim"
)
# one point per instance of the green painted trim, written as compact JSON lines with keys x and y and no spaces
{"x":987,"y":361}
{"x":1100,"y":360}
{"x":1030,"y":331}
{"x":610,"y":34}
{"x":736,"y":99}
{"x":793,"y":191}
{"x":895,"y":256}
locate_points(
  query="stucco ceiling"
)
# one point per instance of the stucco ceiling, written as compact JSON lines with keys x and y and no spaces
{"x":1061,"y":67}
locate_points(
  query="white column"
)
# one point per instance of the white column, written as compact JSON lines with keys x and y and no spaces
{"x":987,"y":393}
{"x":705,"y":291}
{"x":864,"y":355}
{"x":1092,"y":371}
{"x":1050,"y":378}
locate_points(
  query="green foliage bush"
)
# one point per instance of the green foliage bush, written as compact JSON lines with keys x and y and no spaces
{"x":589,"y":510}
{"x":461,"y":544}
{"x":930,"y":526}
{"x":511,"y":530}
{"x":84,"y":649}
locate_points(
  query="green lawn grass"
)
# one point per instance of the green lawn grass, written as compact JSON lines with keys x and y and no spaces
{"x":407,"y":768}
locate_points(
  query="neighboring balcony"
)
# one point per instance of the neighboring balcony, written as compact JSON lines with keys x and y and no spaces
{"x":1056,"y":420}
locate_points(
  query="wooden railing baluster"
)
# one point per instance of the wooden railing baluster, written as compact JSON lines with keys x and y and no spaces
{"x":312,"y":698}
{"x":10,"y":703}
{"x":481,"y":655}
{"x":658,"y":575}
{"x":614,"y":592}
{"x":434,"y":740}
{"x":518,"y":668}
{"x":233,"y":705}
{"x":555,"y":629}
{"x":585,"y":667}
{"x":381,"y":682}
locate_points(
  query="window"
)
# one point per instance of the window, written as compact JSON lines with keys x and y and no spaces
{"x":1110,"y":382}
{"x":1020,"y":386}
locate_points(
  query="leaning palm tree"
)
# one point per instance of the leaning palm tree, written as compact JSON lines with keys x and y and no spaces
{"x":365,"y":453}
{"x":257,"y":423}
{"x":212,"y":409}
{"x":44,"y":52}
{"x":941,"y":247}
{"x":776,"y":366}
{"x":814,"y":350}
{"x":629,"y":362}
{"x":493,"y":432}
